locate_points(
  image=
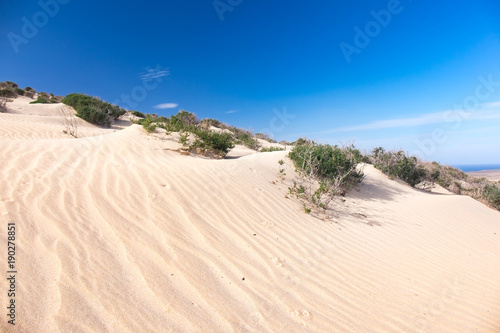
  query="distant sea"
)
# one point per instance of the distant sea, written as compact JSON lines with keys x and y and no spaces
{"x":477,"y":167}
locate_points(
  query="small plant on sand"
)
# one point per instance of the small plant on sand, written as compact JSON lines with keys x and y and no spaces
{"x":325,"y":171}
{"x":149,"y":124}
{"x":271,"y":149}
{"x":281,"y":170}
{"x":184,"y":138}
{"x":70,"y":121}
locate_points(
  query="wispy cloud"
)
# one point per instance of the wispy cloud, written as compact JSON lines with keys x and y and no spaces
{"x":231,"y":111}
{"x":166,"y":106}
{"x":492,"y":105}
{"x":154,"y":73}
{"x":486,"y":112}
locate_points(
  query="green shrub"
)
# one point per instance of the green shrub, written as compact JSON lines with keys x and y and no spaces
{"x":29,"y":89}
{"x":492,"y":195}
{"x":8,"y":93}
{"x":11,"y":84}
{"x":326,"y":171}
{"x":206,"y":123}
{"x":245,"y":138}
{"x":397,"y":164}
{"x":213,"y":142}
{"x":148,"y":124}
{"x":182,"y":121}
{"x":271,"y":149}
{"x":184,"y":138}
{"x":93,"y":109}
{"x":138,"y":114}
{"x":300,"y":141}
{"x":40,"y":100}
{"x":19,"y":91}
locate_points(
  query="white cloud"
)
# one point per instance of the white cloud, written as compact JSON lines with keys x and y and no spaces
{"x":166,"y":106}
{"x":154,"y":73}
{"x":491,"y":105}
{"x":449,"y":116}
{"x":231,"y":111}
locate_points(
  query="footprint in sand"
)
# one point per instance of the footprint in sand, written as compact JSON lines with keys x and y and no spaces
{"x":267,"y":224}
{"x":277,"y":261}
{"x":301,"y":314}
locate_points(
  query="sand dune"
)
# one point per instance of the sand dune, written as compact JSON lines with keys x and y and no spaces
{"x":118,"y":233}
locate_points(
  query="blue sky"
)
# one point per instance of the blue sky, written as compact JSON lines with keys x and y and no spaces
{"x":418,"y":75}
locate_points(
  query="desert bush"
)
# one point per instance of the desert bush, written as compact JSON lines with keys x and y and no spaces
{"x":300,"y":141}
{"x":264,"y":136}
{"x":11,"y":84}
{"x":184,"y":138}
{"x":207,"y":122}
{"x":40,"y":100}
{"x":396,"y":164}
{"x":325,"y":172}
{"x":183,"y":120}
{"x":29,"y":92}
{"x":243,"y":137}
{"x":138,"y":114}
{"x":8,"y":93}
{"x":70,"y":122}
{"x":3,"y":104}
{"x":213,"y":142}
{"x":271,"y":149}
{"x":93,"y":109}
{"x":148,"y":124}
{"x":44,"y":100}
{"x":491,"y":194}
{"x":19,"y":91}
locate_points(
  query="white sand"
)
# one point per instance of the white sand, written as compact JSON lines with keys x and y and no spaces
{"x":117,"y":234}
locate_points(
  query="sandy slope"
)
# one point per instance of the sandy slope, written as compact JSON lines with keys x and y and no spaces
{"x":117,"y":234}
